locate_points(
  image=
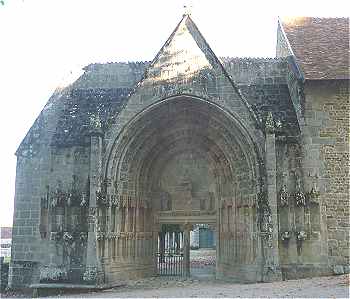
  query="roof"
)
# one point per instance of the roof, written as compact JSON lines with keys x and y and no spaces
{"x":103,"y":90}
{"x":6,"y":232}
{"x":321,"y":46}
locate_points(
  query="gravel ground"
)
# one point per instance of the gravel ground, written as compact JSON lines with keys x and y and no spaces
{"x":321,"y":287}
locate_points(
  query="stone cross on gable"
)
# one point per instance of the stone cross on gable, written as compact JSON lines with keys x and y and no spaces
{"x":187,"y":9}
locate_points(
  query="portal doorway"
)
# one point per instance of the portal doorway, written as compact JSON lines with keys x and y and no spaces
{"x":202,"y":252}
{"x":179,"y":253}
{"x":184,"y":162}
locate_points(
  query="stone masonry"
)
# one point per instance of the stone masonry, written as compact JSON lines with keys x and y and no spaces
{"x":251,"y":147}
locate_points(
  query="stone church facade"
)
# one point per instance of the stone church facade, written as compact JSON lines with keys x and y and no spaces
{"x":256,"y":148}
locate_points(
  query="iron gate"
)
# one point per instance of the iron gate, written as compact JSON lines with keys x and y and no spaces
{"x":170,"y":264}
{"x":170,"y":255}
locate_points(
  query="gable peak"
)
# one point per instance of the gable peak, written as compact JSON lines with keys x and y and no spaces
{"x":184,"y":54}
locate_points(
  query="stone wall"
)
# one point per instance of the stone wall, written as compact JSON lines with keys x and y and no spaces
{"x":256,"y":71}
{"x":326,"y":139}
{"x":32,"y":173}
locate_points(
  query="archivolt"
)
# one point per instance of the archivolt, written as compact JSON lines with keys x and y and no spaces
{"x":177,"y":124}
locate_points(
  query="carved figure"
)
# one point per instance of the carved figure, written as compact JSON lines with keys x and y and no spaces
{"x":68,"y":238}
{"x":299,"y":195}
{"x":285,"y":236}
{"x":301,"y":235}
{"x":101,"y":198}
{"x":84,"y":201}
{"x":56,"y":236}
{"x":165,"y":202}
{"x":314,"y":194}
{"x":265,"y":217}
{"x":83,"y":238}
{"x":284,"y":196}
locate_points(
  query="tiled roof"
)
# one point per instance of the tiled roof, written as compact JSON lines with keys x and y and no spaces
{"x":321,"y":45}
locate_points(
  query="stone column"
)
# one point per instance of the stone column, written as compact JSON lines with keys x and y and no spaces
{"x":93,"y":266}
{"x":272,"y":266}
{"x":187,"y":229}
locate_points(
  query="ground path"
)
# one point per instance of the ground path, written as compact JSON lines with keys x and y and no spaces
{"x":321,"y":287}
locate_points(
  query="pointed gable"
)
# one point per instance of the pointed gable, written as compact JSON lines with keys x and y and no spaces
{"x":185,"y":54}
{"x":186,"y":65}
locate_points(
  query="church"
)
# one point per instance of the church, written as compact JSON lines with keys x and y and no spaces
{"x":257,"y":149}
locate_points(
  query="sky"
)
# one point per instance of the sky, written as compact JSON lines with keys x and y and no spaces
{"x":44,"y":42}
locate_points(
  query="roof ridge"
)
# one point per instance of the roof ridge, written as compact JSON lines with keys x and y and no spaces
{"x":252,"y":58}
{"x":96,"y":64}
{"x":312,"y":17}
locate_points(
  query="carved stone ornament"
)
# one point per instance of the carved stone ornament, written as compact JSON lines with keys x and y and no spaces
{"x":285,"y":236}
{"x":92,"y":211}
{"x":299,"y":196}
{"x":111,"y":235}
{"x":100,"y":236}
{"x":115,"y":200}
{"x":95,"y":124}
{"x":57,"y":197}
{"x":265,"y":217}
{"x":269,"y":123}
{"x":300,"y":199}
{"x":53,"y":273}
{"x":83,"y":236}
{"x":101,"y":198}
{"x":284,"y":196}
{"x":84,"y":202}
{"x":68,"y":239}
{"x":301,"y":235}
{"x":56,"y":236}
{"x":90,"y":274}
{"x":314,"y":196}
{"x":62,"y":198}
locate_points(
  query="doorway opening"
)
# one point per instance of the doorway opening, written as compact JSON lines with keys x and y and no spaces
{"x":186,"y":251}
{"x":202,"y":252}
{"x":170,"y":257}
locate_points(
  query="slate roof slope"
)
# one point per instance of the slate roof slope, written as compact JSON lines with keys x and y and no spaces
{"x":101,"y":89}
{"x":263,"y":83}
{"x":321,"y":45}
